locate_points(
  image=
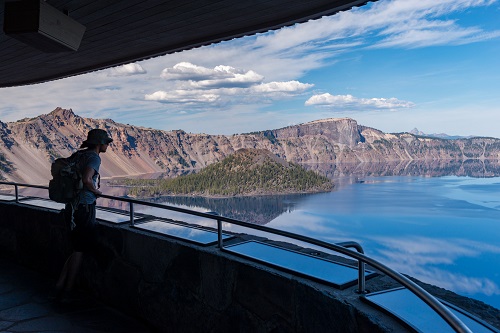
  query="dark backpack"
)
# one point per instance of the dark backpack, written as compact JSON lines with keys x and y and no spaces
{"x":66,"y":180}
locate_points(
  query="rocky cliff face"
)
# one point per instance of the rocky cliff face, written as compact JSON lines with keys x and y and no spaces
{"x":28,"y":146}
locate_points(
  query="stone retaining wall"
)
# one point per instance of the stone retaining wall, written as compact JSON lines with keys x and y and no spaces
{"x":176,"y":286}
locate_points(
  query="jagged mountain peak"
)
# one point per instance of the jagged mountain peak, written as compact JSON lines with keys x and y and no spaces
{"x":415,"y":131}
{"x":58,"y":113}
{"x":62,"y":112}
{"x":61,"y":115}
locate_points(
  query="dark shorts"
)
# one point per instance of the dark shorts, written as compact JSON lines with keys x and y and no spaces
{"x":84,"y":235}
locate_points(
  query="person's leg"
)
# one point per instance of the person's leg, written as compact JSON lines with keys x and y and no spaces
{"x":78,"y":235}
{"x":63,"y":276}
{"x":73,"y":270}
{"x":61,"y":282}
{"x":84,"y":237}
{"x":69,"y":273}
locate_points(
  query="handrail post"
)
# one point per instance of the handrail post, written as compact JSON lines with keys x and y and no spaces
{"x":131,"y":204}
{"x":16,"y":189}
{"x":219,"y":234}
{"x":361,"y":265}
{"x":361,"y":277}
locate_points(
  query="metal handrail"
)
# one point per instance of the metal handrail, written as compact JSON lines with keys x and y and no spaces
{"x":361,"y":265}
{"x":456,"y":324}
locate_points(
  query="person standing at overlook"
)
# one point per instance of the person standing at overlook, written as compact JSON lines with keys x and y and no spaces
{"x":81,"y":214}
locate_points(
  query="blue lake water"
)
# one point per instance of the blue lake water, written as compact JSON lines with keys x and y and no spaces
{"x":441,"y":230}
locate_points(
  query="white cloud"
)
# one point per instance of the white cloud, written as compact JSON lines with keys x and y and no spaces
{"x":391,"y":23}
{"x":283,"y":87}
{"x":349,"y":102}
{"x":205,"y":78}
{"x":238,"y":80}
{"x":188,"y":71}
{"x":181,"y":97}
{"x":126,"y":70}
{"x":423,"y":33}
{"x":222,"y":85}
{"x":413,"y":24}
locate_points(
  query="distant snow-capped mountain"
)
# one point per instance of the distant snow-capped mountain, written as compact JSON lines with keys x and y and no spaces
{"x":415,"y":131}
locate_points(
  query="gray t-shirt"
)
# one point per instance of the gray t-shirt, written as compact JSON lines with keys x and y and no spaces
{"x":93,"y":160}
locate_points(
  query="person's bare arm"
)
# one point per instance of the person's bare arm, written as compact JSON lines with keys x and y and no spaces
{"x":87,"y":181}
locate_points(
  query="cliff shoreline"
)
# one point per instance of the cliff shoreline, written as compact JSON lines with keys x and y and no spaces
{"x":28,"y":146}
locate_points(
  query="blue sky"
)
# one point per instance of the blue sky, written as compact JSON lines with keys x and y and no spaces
{"x":393,"y":65}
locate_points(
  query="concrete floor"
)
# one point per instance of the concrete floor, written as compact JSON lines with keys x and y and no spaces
{"x":26,"y":305}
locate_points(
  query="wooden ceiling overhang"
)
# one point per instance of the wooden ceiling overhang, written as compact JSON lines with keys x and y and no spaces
{"x":123,"y":31}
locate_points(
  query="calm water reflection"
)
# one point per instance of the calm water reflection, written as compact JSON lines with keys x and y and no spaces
{"x":428,"y":168}
{"x":441,"y":230}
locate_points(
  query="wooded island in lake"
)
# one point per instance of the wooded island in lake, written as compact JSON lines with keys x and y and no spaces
{"x":246,"y":172}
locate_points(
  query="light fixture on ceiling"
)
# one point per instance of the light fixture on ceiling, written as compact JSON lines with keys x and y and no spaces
{"x":36,"y":23}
